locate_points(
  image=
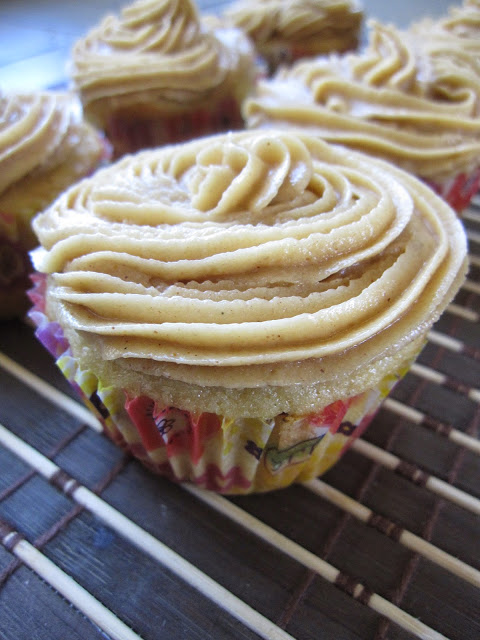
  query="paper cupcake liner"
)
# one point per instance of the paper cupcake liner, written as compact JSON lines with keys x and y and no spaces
{"x":130,"y":134}
{"x":15,"y":268}
{"x":226,"y":454}
{"x":459,"y":190}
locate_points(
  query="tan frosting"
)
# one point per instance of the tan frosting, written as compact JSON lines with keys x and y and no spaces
{"x":249,"y":263}
{"x":452,"y":46}
{"x":390,"y":101}
{"x":460,"y":29}
{"x":33,"y":130}
{"x":45,"y":142}
{"x":265,"y":20}
{"x":156,"y":51}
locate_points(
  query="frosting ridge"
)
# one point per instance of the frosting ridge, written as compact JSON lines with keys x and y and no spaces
{"x":248,"y":254}
{"x":391,"y":101}
{"x":157,"y":47}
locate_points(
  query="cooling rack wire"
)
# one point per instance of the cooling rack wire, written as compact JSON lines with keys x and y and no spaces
{"x":383,"y":546}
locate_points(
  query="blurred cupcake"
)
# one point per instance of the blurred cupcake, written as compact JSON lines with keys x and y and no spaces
{"x":284,"y":30}
{"x":155,"y":75}
{"x":235,"y":309}
{"x":459,"y":29}
{"x":394,"y":101}
{"x":45,"y":146}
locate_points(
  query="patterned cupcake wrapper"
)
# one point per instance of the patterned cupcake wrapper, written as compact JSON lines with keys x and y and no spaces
{"x":129,"y":135}
{"x":224,"y":454}
{"x":459,"y":190}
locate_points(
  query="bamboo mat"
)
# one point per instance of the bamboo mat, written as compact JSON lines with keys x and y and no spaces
{"x":384,"y":546}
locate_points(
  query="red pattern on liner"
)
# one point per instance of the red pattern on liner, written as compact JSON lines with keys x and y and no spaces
{"x":128,"y":135}
{"x":459,"y":191}
{"x":178,"y":431}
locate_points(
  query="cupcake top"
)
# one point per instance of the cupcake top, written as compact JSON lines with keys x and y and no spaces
{"x":460,"y":28}
{"x":266,"y":20}
{"x":220,"y":274}
{"x":40,"y":135}
{"x":392,"y":101}
{"x":157,"y":50}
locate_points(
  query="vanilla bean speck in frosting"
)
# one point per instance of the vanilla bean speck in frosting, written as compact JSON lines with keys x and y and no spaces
{"x":258,"y":272}
{"x":394,"y":101}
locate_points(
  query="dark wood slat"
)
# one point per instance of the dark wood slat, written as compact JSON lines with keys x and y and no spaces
{"x":30,"y":609}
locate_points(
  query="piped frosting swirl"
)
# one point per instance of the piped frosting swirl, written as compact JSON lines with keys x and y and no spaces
{"x":249,"y":259}
{"x":156,"y":49}
{"x":264,"y":20}
{"x":35,"y":131}
{"x":391,"y":101}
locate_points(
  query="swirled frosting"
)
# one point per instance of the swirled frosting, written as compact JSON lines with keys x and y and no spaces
{"x":334,"y":23}
{"x":263,"y":271}
{"x":460,"y":29}
{"x":44,"y":139}
{"x":390,"y":101}
{"x":157,"y":52}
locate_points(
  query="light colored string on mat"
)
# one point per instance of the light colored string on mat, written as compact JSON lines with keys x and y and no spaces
{"x":141,"y":539}
{"x":473,"y":236}
{"x":432,"y":375}
{"x":416,"y":475}
{"x":68,"y":587}
{"x":471,"y":216}
{"x":403,"y":536}
{"x":462,"y":312}
{"x":193,"y":576}
{"x":418,"y":418}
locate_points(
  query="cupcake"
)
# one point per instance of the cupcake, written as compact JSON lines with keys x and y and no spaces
{"x":394,"y":101}
{"x":234,"y":309}
{"x":45,"y":146}
{"x":284,"y":31}
{"x":459,"y":29}
{"x":156,"y":75}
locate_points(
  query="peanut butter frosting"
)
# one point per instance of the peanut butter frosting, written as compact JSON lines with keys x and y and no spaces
{"x":157,"y":52}
{"x":460,"y":28}
{"x":452,"y":46}
{"x":333,"y":23}
{"x":43,"y":139}
{"x":255,"y":272}
{"x":393,"y":101}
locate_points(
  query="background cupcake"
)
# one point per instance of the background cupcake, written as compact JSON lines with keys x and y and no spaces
{"x":396,"y":100}
{"x":459,"y":29}
{"x":155,"y":75}
{"x":45,"y":146}
{"x":236,"y":308}
{"x":284,"y":31}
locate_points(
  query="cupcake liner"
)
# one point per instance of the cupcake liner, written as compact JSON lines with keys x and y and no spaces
{"x":130,"y":134}
{"x":230,"y":455}
{"x":15,"y":268}
{"x":459,"y":190}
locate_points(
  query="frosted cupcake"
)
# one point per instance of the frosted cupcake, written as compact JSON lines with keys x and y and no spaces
{"x":393,"y":101}
{"x":459,"y":29}
{"x":45,"y":146}
{"x":155,"y":75}
{"x":284,"y":31}
{"x":236,"y":308}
